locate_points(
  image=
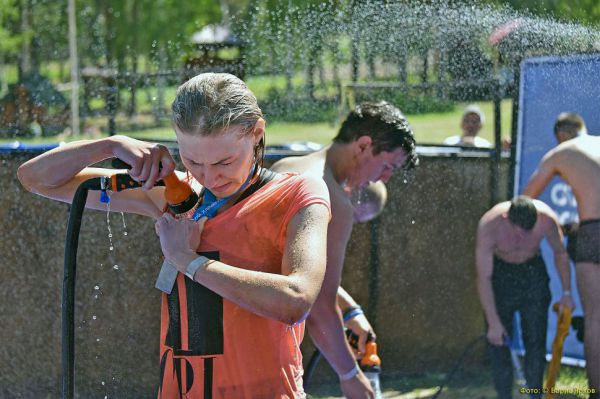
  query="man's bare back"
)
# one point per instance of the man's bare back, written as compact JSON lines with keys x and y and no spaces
{"x":577,"y":161}
{"x":512,"y":243}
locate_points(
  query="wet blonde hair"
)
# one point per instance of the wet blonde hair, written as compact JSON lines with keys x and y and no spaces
{"x":208,"y":103}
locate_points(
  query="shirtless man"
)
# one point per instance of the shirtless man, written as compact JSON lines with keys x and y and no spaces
{"x":511,"y":276}
{"x":576,"y":160}
{"x":373,"y":142}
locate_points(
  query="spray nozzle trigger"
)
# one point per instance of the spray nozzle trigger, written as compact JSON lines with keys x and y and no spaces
{"x":104,"y":198}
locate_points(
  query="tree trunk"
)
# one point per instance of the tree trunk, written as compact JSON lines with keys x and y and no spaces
{"x":335,"y":71}
{"x":160,"y":83}
{"x":425,"y":67}
{"x":310,"y":74}
{"x":25,"y":55}
{"x":111,"y":83}
{"x":134,"y":61}
{"x":402,"y":59}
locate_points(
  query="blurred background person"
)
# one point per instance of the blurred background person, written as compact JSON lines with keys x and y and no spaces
{"x":472,"y":121}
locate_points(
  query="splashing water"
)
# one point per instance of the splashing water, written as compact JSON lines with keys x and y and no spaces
{"x":111,"y":247}
{"x":124,"y":225}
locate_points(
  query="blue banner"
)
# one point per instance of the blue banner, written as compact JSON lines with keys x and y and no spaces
{"x":550,"y":86}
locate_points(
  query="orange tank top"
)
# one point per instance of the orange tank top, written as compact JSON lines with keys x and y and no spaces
{"x":213,"y":348}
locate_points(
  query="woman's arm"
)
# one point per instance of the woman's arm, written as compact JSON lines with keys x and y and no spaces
{"x":286,"y":297}
{"x":57,"y":174}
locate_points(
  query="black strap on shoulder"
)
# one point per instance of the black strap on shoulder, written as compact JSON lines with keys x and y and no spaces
{"x":266,"y":175}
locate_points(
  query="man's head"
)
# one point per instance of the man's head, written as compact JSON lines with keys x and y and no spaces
{"x":472,"y":120}
{"x":568,"y":125}
{"x":522,"y":212}
{"x":368,"y":202}
{"x":382,"y":139}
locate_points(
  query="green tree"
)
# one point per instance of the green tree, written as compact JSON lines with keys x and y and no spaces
{"x":578,"y":11}
{"x":9,"y":17}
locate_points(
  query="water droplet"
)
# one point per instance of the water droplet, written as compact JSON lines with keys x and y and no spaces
{"x":102,"y":381}
{"x":413,"y":222}
{"x":98,"y":340}
{"x":116,"y":267}
{"x":94,"y":317}
{"x":124,"y":233}
{"x":404,"y":181}
{"x":111,"y":247}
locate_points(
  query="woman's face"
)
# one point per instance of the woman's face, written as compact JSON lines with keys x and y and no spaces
{"x":222,"y":161}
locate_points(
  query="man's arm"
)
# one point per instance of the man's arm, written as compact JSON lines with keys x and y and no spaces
{"x":561,"y":258}
{"x":485,"y":266}
{"x":324,"y":322}
{"x":542,"y":176}
{"x":354,"y":318}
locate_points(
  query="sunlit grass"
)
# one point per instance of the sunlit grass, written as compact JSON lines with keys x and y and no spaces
{"x":429,"y":128}
{"x":465,"y":385}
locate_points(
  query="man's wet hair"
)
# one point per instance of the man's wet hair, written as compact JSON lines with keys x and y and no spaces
{"x":385,"y":125}
{"x":522,"y":212}
{"x":570,"y":123}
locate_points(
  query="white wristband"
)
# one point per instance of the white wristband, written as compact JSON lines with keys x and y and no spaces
{"x":194,"y":265}
{"x":350,"y":374}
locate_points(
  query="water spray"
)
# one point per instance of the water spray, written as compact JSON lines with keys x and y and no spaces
{"x":180,"y":198}
{"x":182,"y":201}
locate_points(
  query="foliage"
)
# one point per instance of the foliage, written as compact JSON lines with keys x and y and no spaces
{"x":582,"y":11}
{"x":281,"y":105}
{"x":410,"y":102}
{"x":9,"y":16}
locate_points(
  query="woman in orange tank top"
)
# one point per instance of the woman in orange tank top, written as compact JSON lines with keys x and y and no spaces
{"x":251,"y":261}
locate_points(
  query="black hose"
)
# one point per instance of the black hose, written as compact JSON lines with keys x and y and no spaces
{"x":311,"y":367}
{"x":68,"y":292}
{"x":459,"y":363}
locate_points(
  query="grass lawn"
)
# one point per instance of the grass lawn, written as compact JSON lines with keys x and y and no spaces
{"x":465,"y":385}
{"x":429,"y":128}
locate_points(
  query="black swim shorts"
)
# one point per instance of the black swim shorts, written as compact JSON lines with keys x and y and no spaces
{"x":588,"y":241}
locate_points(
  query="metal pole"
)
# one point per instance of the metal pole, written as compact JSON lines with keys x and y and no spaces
{"x":373,"y":272}
{"x":74,"y":69}
{"x":495,"y":161}
{"x":513,"y":134}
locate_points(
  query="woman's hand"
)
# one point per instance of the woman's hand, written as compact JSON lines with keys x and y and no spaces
{"x":149,"y":161}
{"x":179,"y":239}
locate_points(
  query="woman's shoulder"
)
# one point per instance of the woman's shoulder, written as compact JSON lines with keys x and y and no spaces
{"x":303,"y":181}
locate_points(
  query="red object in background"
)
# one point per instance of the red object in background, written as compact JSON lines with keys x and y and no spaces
{"x":504,"y":30}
